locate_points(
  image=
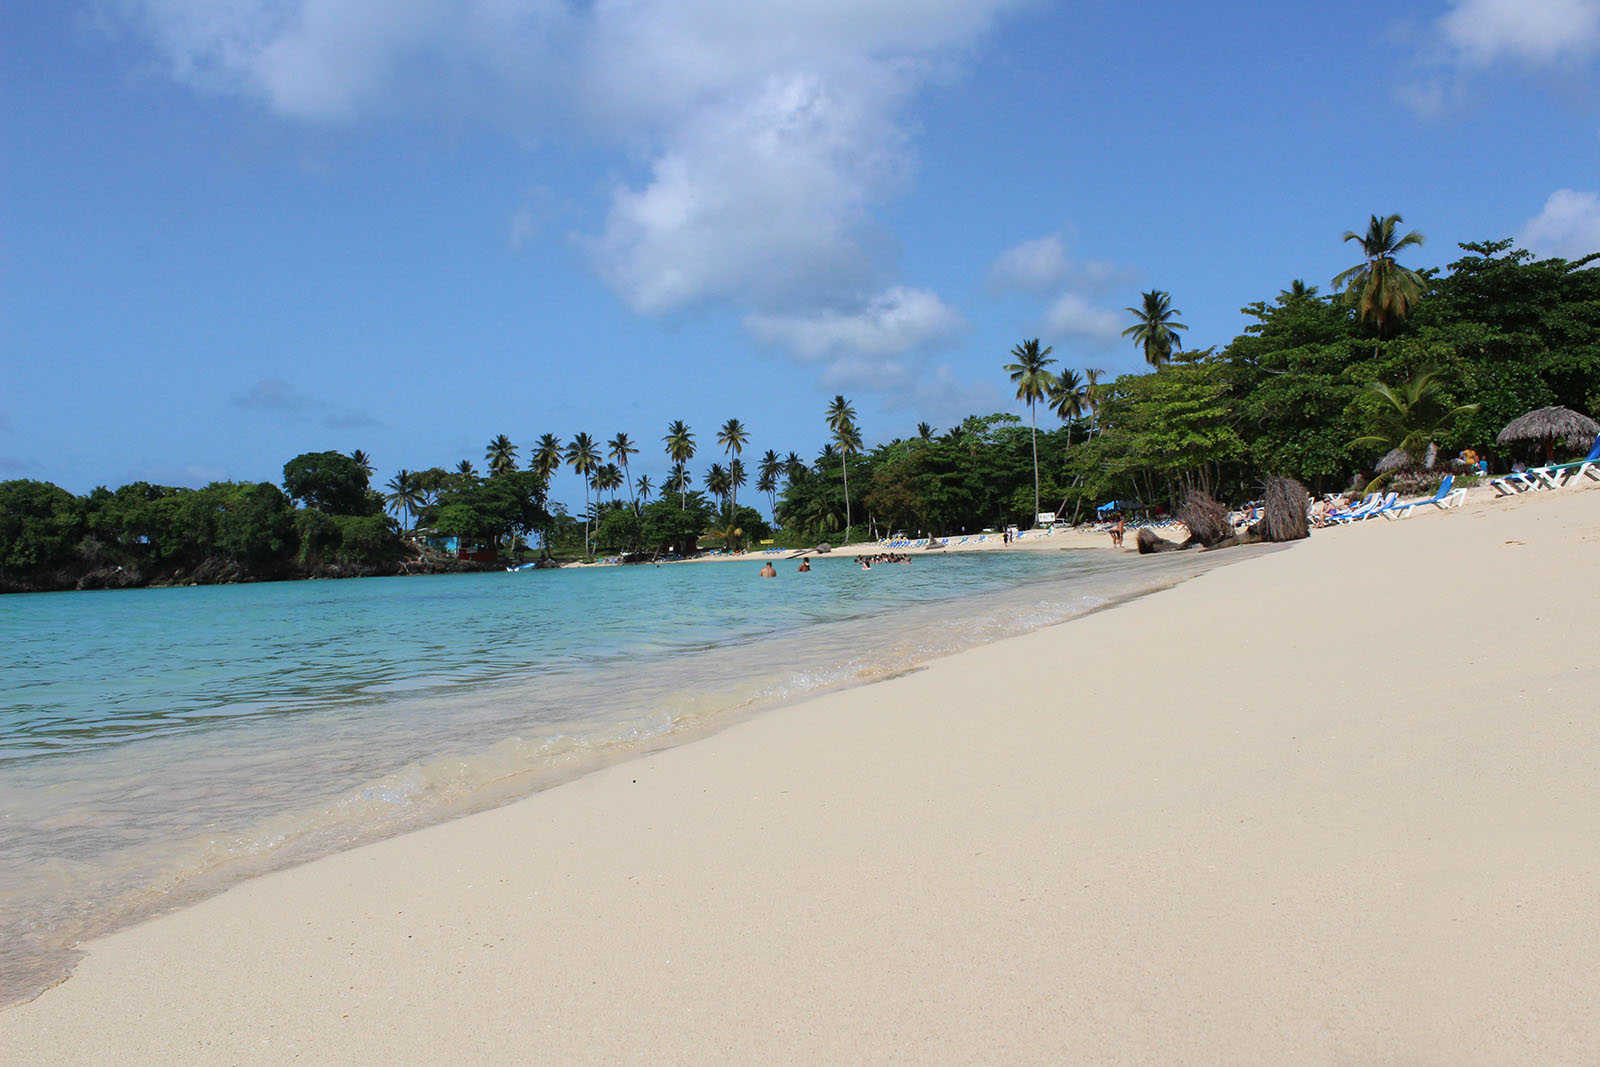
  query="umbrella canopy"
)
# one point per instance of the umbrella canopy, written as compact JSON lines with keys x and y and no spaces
{"x":1549,"y":425}
{"x":1393,"y":460}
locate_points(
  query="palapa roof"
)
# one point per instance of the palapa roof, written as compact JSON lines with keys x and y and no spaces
{"x":1393,"y":460}
{"x":1550,"y":424}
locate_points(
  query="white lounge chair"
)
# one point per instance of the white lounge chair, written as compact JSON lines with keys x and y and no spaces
{"x":1446,"y":496}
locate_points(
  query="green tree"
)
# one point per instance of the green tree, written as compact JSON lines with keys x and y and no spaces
{"x":733,"y":437}
{"x":1411,"y":416}
{"x":330,"y":482}
{"x":620,"y":449}
{"x":1155,"y":326}
{"x":641,"y":490}
{"x":405,"y":494}
{"x":583,"y":456}
{"x":1383,"y":291}
{"x":680,"y":449}
{"x":1034,"y":383}
{"x":546,"y":457}
{"x":501,"y":456}
{"x":364,"y":461}
{"x":846,"y":441}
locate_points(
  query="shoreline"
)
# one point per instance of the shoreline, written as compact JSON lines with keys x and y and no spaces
{"x":1348,"y":824}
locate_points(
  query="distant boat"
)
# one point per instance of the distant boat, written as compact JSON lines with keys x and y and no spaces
{"x":523,"y":566}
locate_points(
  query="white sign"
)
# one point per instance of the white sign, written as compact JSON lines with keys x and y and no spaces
{"x":1044,"y":518}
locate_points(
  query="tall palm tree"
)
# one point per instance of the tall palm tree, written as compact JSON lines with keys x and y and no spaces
{"x":547,"y":456}
{"x":501,"y":455}
{"x":465,"y":469}
{"x":767,"y":482}
{"x":1383,"y":290}
{"x":925,"y":431}
{"x":768,"y":471}
{"x":717,"y":482}
{"x":733,"y":437}
{"x":405,"y":495}
{"x":363,"y":461}
{"x":621,"y":448}
{"x":1154,"y":327}
{"x":583,"y":456}
{"x":641,"y":491}
{"x":737,"y":478}
{"x":608,"y":479}
{"x":680,"y":449}
{"x":1033,"y":385}
{"x":842,"y":421}
{"x":678,"y":481}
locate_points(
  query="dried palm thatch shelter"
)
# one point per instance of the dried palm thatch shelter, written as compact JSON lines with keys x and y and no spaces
{"x":1549,"y":425}
{"x":1205,"y":517}
{"x":1283,"y":512}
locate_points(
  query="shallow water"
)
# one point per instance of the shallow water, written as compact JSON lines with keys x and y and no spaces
{"x":158,"y":745}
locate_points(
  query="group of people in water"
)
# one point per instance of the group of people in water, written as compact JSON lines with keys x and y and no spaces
{"x":865,"y":562}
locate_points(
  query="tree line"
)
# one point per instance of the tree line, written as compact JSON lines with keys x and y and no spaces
{"x":1394,"y":363}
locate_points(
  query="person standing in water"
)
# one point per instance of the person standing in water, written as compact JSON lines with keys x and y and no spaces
{"x":768,"y":570}
{"x":805,"y":565}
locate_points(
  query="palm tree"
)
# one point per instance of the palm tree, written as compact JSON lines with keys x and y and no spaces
{"x":1069,"y":397}
{"x":768,"y":470}
{"x":717,"y":482}
{"x":621,"y":449}
{"x":363,"y":461}
{"x":501,"y":455}
{"x":405,"y":495}
{"x":737,"y":479}
{"x":842,"y":421}
{"x":583,"y":456}
{"x":1154,"y":326}
{"x":678,"y":481}
{"x":767,"y":482}
{"x":642,"y":491}
{"x":925,"y":431}
{"x":1033,"y":385}
{"x":1411,"y":416}
{"x":608,"y":478}
{"x":1384,"y":290}
{"x":547,"y":457}
{"x":465,"y":469}
{"x":680,"y":449}
{"x":1094,"y":393}
{"x":792,"y":465}
{"x":733,"y":437}
{"x":1298,"y":290}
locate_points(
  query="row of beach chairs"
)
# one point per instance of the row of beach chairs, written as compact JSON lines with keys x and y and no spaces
{"x":1550,"y":476}
{"x":1390,"y":506}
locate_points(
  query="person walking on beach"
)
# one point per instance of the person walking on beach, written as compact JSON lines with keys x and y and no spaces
{"x":768,"y":570}
{"x":1116,"y":532}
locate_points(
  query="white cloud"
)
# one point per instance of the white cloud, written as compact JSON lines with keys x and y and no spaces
{"x":1538,"y":33}
{"x":1569,"y":226}
{"x":891,"y":324}
{"x":1035,"y":266}
{"x":764,"y":134}
{"x":1042,"y":265}
{"x":1073,"y":316}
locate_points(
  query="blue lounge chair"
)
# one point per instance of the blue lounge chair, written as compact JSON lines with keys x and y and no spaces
{"x":1552,"y":474}
{"x":1446,"y":496}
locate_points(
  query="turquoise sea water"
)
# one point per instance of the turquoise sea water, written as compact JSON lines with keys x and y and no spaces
{"x":158,"y":745}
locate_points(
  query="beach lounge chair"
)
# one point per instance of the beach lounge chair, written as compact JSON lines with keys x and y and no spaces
{"x":1554,"y":473}
{"x":1445,"y":496}
{"x":1516,"y":482}
{"x":1360,"y":511}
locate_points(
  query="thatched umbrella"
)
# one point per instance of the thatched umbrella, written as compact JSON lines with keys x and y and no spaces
{"x":1393,"y":460}
{"x":1550,"y":425}
{"x":1205,"y":518}
{"x":1283,"y":517}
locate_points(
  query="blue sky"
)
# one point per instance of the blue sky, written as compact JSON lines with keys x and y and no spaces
{"x":234,"y":232}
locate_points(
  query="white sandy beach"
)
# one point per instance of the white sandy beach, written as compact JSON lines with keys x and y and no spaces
{"x":1337,"y":804}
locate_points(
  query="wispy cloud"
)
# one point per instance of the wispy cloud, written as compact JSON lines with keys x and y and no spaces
{"x":276,"y":396}
{"x":1073,"y":317}
{"x":757,"y":157}
{"x":1568,"y":226}
{"x":1559,"y":37}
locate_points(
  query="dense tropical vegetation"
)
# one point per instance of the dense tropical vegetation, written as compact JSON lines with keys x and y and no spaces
{"x":1393,"y":361}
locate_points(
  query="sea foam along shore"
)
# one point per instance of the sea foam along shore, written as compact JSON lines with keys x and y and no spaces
{"x":1340,"y":804}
